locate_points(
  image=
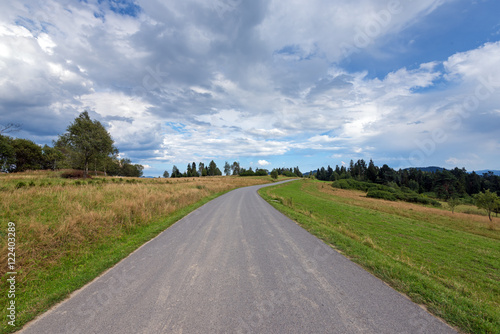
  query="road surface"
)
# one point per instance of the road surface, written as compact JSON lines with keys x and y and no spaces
{"x":236,"y":265}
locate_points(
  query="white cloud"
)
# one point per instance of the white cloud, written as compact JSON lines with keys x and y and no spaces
{"x":196,"y":80}
{"x":263,"y":163}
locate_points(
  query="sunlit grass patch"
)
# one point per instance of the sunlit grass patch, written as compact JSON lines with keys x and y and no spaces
{"x":448,"y":262}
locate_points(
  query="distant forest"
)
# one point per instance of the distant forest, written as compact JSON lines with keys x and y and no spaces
{"x":444,"y":184}
{"x":211,"y":169}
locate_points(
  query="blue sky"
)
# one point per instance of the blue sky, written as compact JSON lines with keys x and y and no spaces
{"x":266,"y":83}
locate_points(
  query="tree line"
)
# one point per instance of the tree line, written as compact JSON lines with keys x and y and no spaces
{"x":211,"y":169}
{"x":86,"y":145}
{"x":443,"y":183}
{"x":455,"y":185}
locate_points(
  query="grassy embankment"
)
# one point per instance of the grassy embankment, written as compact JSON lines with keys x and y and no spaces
{"x":70,"y":231}
{"x":448,"y":262}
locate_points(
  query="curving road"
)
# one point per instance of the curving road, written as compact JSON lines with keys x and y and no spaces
{"x":236,"y":265}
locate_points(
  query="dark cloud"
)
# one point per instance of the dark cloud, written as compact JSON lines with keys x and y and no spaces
{"x":183,"y":80}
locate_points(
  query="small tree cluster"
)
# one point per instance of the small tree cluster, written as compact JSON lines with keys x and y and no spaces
{"x":289,"y":172}
{"x":86,"y":145}
{"x":445,"y":184}
{"x":193,"y":171}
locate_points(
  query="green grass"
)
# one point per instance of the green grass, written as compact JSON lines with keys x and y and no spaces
{"x":453,"y":273}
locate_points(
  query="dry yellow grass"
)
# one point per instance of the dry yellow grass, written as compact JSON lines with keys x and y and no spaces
{"x":57,"y":219}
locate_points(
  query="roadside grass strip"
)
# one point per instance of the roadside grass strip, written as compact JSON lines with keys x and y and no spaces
{"x":453,"y":273}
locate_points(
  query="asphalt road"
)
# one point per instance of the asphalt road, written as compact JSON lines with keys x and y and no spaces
{"x":236,"y":265}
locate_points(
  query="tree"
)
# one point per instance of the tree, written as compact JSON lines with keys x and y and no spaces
{"x":274,"y":174}
{"x":453,"y":203}
{"x":487,"y":201}
{"x":175,"y":172}
{"x":194,"y":171}
{"x":10,"y":127}
{"x":236,"y":168}
{"x":130,"y":170}
{"x":297,"y":172}
{"x":7,"y":155}
{"x":51,"y":157}
{"x":28,"y":155}
{"x":201,"y":168}
{"x":227,"y":169}
{"x":212,"y":168}
{"x":372,"y":171}
{"x":261,"y":172}
{"x":111,"y":163}
{"x":496,"y":210}
{"x":88,"y":140}
{"x":165,"y":174}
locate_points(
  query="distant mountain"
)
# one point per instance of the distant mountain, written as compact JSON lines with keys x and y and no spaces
{"x":481,"y":172}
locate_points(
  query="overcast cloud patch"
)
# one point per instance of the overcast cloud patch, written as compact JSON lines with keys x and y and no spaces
{"x":182,"y":81}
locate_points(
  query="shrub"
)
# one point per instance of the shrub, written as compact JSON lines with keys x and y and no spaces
{"x":381,"y":194}
{"x":388,"y":192}
{"x":358,"y":185}
{"x":20,"y":184}
{"x":73,"y":174}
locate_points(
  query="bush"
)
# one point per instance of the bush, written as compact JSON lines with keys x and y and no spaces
{"x":358,"y":185}
{"x":261,"y":172}
{"x":390,"y":193}
{"x":73,"y":174}
{"x":381,"y":194}
{"x":20,"y":184}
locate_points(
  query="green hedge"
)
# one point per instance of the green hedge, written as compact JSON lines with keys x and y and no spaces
{"x":390,"y":193}
{"x":373,"y":193}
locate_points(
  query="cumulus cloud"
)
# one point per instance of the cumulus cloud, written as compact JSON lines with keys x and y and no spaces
{"x":263,"y":163}
{"x":221,"y":79}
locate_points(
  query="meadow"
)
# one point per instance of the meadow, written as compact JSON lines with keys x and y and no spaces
{"x":447,"y":262}
{"x":68,"y":231}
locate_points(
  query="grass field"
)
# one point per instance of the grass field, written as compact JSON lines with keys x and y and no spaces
{"x":448,"y":262}
{"x":69,"y":231}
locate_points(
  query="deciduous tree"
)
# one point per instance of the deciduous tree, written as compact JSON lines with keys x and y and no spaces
{"x":28,"y":155}
{"x":7,"y":155}
{"x":227,"y":168}
{"x":87,"y":139}
{"x":487,"y":201}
